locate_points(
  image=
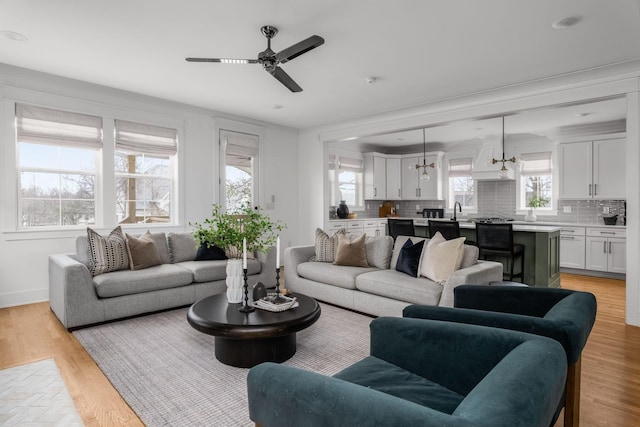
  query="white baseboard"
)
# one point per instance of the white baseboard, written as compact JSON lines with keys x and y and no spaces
{"x":22,"y":298}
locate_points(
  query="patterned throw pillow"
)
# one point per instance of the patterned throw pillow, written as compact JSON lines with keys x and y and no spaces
{"x":326,"y":245}
{"x":107,"y":253}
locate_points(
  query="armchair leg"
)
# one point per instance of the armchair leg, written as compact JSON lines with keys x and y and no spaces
{"x":572,"y":395}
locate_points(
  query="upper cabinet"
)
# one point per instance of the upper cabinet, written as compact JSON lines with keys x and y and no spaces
{"x":375,"y":176}
{"x":414,"y":188}
{"x":592,"y":169}
{"x":394,"y":178}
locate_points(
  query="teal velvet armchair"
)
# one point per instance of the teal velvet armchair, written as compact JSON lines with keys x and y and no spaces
{"x":564,"y":315}
{"x":421,"y":372}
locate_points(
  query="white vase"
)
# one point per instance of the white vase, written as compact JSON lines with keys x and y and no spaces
{"x":530,"y":216}
{"x":235,"y":281}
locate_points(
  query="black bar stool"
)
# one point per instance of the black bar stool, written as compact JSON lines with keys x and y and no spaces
{"x":400,"y":227}
{"x":448,"y":229}
{"x":496,"y":241}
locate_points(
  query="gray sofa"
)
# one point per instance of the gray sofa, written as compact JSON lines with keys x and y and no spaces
{"x":78,"y":299}
{"x":380,"y":290}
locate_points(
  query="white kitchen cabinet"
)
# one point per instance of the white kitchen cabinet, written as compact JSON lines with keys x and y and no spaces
{"x":394,"y":178}
{"x":414,"y":188}
{"x":375,"y":176}
{"x":606,"y":250}
{"x":572,"y":247}
{"x":592,"y":169}
{"x":355,"y":228}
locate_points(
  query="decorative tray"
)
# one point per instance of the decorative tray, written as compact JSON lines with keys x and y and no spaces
{"x":266,"y":304}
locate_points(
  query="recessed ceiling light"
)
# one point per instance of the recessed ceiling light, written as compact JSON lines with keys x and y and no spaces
{"x":12,"y":35}
{"x":372,"y":80}
{"x":583,"y":114}
{"x":566,"y":22}
{"x":275,"y":106}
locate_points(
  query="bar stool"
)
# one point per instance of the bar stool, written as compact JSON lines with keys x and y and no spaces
{"x":448,"y":229}
{"x":400,"y":227}
{"x":496,"y":241}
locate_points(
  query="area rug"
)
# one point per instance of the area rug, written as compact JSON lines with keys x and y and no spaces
{"x":167,"y":371}
{"x":35,"y":395}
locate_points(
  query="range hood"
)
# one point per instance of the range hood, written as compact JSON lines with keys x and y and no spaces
{"x":484,"y":170}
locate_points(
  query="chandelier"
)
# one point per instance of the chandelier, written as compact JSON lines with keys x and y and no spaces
{"x":503,"y":173}
{"x":424,"y":175}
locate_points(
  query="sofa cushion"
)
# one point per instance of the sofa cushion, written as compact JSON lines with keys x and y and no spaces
{"x":336,"y":275}
{"x":397,"y":246}
{"x":410,"y":258}
{"x":379,"y":251}
{"x":326,"y":245}
{"x":108,"y":253}
{"x":209,"y":271}
{"x":142,"y":251}
{"x":351,"y":252}
{"x":470,"y":256}
{"x":161,"y":244}
{"x":127,"y":282}
{"x":441,"y":257}
{"x":383,"y":376}
{"x":399,"y":286}
{"x":182,"y":247}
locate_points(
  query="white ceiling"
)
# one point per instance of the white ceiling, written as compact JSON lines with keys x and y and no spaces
{"x":421,"y":50}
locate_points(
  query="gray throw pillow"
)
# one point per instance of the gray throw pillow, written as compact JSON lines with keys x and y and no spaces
{"x":182,"y":247}
{"x":379,"y":250}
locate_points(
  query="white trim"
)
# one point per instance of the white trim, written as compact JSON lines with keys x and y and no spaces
{"x":633,"y":205}
{"x":21,"y":298}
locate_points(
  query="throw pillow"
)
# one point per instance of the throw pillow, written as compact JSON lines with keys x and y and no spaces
{"x":210,"y":253}
{"x":326,"y":245}
{"x":182,"y":247}
{"x":107,"y":253}
{"x":143,"y":252}
{"x":409,"y":257}
{"x":350,"y":252}
{"x":442,"y":257}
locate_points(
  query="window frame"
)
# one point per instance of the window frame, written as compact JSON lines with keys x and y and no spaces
{"x":552,"y":209}
{"x":255,"y":177}
{"x":105,"y":201}
{"x":333,"y":177}
{"x":449,"y":190}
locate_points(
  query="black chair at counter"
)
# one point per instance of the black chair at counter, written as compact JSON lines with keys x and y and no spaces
{"x":448,"y":229}
{"x":400,"y":227}
{"x":496,"y":240}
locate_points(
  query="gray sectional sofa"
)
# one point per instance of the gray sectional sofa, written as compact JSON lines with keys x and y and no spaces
{"x":78,"y":299}
{"x":380,"y":289}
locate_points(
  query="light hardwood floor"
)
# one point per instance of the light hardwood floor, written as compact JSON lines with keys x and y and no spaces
{"x":610,"y":362}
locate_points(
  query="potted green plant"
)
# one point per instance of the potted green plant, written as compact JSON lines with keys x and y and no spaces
{"x":231,"y":231}
{"x":534,"y":203}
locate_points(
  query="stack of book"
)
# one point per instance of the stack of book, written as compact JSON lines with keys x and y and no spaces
{"x":267,"y":303}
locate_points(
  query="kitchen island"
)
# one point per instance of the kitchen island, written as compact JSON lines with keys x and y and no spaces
{"x":541,"y":249}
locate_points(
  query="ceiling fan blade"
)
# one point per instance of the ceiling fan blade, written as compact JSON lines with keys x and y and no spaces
{"x":299,"y":48}
{"x":284,"y":78}
{"x":223,"y":60}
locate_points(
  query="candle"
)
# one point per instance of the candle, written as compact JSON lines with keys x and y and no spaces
{"x":244,"y":253}
{"x":278,"y":252}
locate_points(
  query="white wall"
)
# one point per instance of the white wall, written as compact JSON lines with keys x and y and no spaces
{"x":613,"y":81}
{"x":24,"y":255}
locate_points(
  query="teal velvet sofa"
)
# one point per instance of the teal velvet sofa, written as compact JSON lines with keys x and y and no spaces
{"x":564,"y":315}
{"x":421,"y":372}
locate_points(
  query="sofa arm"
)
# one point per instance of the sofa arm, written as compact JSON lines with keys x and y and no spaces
{"x":293,"y":257}
{"x":480,"y":273}
{"x":284,"y":396}
{"x":72,"y":296}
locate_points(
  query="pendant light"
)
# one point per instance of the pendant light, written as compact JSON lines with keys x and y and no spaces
{"x":424,"y":175}
{"x":503,"y":173}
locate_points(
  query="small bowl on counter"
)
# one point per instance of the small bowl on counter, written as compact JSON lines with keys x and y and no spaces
{"x":352,"y":215}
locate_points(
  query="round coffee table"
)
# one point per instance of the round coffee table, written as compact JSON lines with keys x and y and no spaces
{"x":247,"y":339}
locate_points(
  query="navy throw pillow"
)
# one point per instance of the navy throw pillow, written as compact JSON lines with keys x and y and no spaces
{"x":409,"y":258}
{"x":211,"y":253}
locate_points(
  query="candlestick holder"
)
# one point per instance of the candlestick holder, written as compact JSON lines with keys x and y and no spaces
{"x":246,"y":308}
{"x":277,"y":298}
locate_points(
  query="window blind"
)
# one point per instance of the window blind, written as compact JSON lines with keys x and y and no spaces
{"x":41,"y":125}
{"x":460,"y":167}
{"x":537,"y":163}
{"x":348,"y":164}
{"x":240,"y":148}
{"x":142,"y":138}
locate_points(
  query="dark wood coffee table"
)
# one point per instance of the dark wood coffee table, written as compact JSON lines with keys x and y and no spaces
{"x":247,"y":339}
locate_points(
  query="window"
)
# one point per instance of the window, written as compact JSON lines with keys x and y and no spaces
{"x":536,"y":187}
{"x":346,"y":181}
{"x":144,"y":169}
{"x":57,"y":164}
{"x":461,"y":188}
{"x":240,"y":152}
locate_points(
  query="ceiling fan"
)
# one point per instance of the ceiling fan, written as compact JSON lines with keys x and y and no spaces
{"x":270,"y":60}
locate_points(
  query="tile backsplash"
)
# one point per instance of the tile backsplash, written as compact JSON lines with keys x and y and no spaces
{"x":498,"y":198}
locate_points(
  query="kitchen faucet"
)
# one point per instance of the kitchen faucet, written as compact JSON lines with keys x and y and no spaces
{"x":454,"y":218}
